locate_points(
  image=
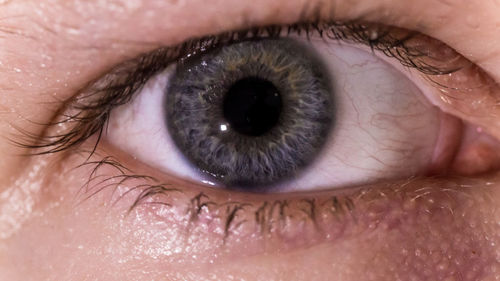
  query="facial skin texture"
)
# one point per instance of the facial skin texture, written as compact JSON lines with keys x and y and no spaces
{"x":427,"y":229}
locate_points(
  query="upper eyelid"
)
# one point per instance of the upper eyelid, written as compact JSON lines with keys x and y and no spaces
{"x":88,"y":111}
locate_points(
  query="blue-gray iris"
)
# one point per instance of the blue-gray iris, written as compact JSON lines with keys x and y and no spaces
{"x":267,"y":136}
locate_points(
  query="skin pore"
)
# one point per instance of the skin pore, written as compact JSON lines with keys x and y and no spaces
{"x":419,"y":229}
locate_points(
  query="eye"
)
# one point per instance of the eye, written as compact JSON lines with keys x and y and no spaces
{"x":284,"y":112}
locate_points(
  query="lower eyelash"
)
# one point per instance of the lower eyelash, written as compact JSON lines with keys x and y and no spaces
{"x":416,"y":214}
{"x":298,"y":220}
{"x":151,"y":192}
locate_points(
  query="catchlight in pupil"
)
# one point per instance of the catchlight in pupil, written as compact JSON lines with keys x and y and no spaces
{"x":252,"y":106}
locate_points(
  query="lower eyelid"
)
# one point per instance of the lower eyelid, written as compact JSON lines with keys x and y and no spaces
{"x":242,"y":224}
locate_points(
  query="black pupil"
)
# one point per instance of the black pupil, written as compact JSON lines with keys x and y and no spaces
{"x":252,"y":106}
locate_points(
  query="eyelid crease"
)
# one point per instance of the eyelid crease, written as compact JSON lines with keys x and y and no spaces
{"x":88,"y":113}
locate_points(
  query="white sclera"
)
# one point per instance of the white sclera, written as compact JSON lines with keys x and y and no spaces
{"x":140,"y":129}
{"x":384,"y":127}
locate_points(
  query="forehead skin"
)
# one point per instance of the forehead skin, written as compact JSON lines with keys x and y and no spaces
{"x":49,"y":49}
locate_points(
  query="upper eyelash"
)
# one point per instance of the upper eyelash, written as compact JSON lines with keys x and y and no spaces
{"x":88,"y":113}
